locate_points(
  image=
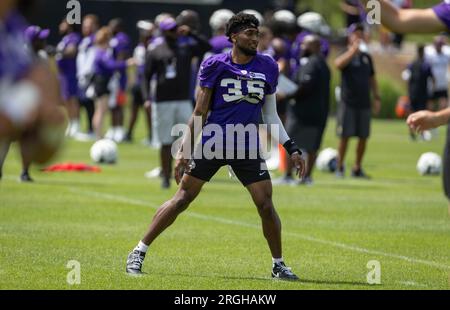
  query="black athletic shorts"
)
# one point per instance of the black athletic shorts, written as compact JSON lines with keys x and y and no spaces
{"x":447,"y":165}
{"x":101,"y":86}
{"x":307,"y":137}
{"x":439,"y":94}
{"x":418,"y":104}
{"x":248,"y":171}
{"x":138,"y":98}
{"x":353,"y":122}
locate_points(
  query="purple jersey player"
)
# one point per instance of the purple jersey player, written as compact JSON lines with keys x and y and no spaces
{"x":235,"y":88}
{"x":66,"y":59}
{"x":239,"y":90}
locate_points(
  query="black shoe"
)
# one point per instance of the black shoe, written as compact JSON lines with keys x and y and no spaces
{"x":25,"y":177}
{"x":360,"y":174}
{"x":134,"y":262}
{"x":280,"y":271}
{"x":165,"y":184}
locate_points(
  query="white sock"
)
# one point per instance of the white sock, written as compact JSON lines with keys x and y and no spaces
{"x":141,"y":247}
{"x":277,"y":260}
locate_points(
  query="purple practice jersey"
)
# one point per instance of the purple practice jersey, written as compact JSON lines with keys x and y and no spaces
{"x":105,"y":65}
{"x":220,"y":44}
{"x":121,"y":44}
{"x":15,"y":59}
{"x":68,"y":66}
{"x":238,"y":90}
{"x":443,"y":12}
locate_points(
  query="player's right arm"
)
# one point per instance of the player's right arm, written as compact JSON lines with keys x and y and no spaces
{"x":409,"y":20}
{"x":424,"y":120}
{"x":343,"y":60}
{"x":202,"y":106}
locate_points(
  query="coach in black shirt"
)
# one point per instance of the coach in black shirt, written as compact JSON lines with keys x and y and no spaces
{"x":169,"y":60}
{"x":354,"y":113}
{"x":308,"y":116}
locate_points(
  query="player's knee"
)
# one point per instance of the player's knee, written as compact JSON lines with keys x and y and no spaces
{"x":181,"y":202}
{"x":266,"y":208}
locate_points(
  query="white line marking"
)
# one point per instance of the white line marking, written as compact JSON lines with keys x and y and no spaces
{"x":243,"y":224}
{"x":411,"y":283}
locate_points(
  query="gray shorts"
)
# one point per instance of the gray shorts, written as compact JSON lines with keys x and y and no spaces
{"x":307,"y":137}
{"x":167,"y":114}
{"x":353,"y":122}
{"x":447,"y":165}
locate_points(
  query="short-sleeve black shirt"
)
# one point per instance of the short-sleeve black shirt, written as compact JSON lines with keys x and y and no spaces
{"x":356,"y":81}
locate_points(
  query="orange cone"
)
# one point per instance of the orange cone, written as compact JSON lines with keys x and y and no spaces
{"x":283,"y":164}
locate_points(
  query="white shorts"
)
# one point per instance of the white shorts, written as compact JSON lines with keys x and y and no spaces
{"x":166,"y":114}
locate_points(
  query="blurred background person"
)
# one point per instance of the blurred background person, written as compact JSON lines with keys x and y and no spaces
{"x":105,"y":66}
{"x":37,"y":37}
{"x":219,"y":41}
{"x":308,"y":115}
{"x":439,"y":61}
{"x":265,"y":41}
{"x":170,"y":61}
{"x":146,"y":29}
{"x":417,"y":75}
{"x":85,"y":70}
{"x":66,"y":54}
{"x":354,"y":12}
{"x":121,"y":49}
{"x":358,"y":81}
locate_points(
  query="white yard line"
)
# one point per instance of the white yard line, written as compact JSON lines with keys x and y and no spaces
{"x":243,"y":224}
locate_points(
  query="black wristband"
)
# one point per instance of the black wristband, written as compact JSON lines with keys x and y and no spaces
{"x":291,"y":147}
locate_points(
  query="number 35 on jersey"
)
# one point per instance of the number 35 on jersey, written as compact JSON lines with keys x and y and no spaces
{"x":251,"y":91}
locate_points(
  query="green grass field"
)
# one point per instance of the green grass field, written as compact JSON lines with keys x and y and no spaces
{"x":330,"y":230}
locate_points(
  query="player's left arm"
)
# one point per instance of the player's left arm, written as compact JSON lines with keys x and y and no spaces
{"x":270,"y":117}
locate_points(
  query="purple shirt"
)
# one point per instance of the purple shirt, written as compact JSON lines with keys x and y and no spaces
{"x":66,"y":65}
{"x":120,"y":44}
{"x":15,"y":59}
{"x":105,"y":64}
{"x":220,"y":44}
{"x":443,"y":12}
{"x":239,"y":90}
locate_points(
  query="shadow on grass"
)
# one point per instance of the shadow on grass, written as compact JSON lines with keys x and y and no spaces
{"x":265,"y":279}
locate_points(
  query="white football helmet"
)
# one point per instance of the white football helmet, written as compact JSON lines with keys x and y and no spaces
{"x":284,"y":16}
{"x":258,"y":15}
{"x":220,"y":18}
